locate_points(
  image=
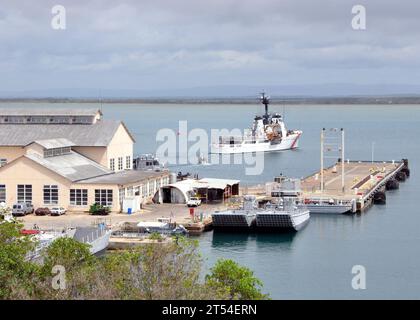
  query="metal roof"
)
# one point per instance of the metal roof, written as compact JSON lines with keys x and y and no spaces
{"x":48,"y":112}
{"x":72,"y":166}
{"x":209,"y":183}
{"x":219,"y":183}
{"x":125,"y":177}
{"x":99,"y":134}
{"x":54,"y":143}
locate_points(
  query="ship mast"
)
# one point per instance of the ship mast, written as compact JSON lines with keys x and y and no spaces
{"x":265,"y":100}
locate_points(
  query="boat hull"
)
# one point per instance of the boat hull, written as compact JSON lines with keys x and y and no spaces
{"x":289,"y":142}
{"x":100,"y":243}
{"x":282,"y":220}
{"x":232,"y":220}
{"x":329,"y":209}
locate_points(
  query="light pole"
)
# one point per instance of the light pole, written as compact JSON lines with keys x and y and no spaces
{"x":342,"y":160}
{"x":322,"y":159}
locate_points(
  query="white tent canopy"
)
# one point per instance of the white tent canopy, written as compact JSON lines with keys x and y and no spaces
{"x":188,"y":187}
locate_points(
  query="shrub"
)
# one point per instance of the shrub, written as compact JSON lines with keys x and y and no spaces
{"x":156,"y":236}
{"x":239,"y":281}
{"x":98,"y":209}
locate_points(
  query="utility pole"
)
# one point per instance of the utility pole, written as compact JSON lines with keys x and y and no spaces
{"x":342,"y":160}
{"x":332,"y":147}
{"x":373,"y":151}
{"x":322,"y":159}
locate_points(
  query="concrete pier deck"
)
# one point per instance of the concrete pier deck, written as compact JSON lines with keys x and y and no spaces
{"x":361,"y":180}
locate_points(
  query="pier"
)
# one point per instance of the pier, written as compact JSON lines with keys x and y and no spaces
{"x":363,"y":182}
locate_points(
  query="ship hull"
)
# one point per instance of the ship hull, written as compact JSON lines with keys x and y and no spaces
{"x":289,"y":142}
{"x":230,"y":220}
{"x":329,"y":209}
{"x":282,"y":220}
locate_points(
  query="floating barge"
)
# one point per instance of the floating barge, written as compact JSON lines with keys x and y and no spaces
{"x":363,"y":183}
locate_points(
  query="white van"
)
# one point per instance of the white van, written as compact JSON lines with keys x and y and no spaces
{"x":22,"y":209}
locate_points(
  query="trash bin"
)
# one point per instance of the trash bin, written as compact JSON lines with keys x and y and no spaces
{"x":129,"y":210}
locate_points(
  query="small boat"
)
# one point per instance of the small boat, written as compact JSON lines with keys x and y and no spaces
{"x":202,"y":160}
{"x":147,"y":162}
{"x":268,"y":133}
{"x":44,"y":238}
{"x":319,"y":205}
{"x":96,"y":237}
{"x":242,"y":218}
{"x":162,"y":227}
{"x":285,"y":215}
{"x":284,"y":186}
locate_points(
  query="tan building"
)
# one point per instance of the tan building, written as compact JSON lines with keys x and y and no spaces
{"x":71,"y":158}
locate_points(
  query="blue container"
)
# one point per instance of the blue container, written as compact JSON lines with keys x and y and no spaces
{"x":129,"y":210}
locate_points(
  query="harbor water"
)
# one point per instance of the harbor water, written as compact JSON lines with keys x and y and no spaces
{"x":316,"y":262}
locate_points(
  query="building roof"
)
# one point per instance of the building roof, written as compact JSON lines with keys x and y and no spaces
{"x":99,"y":134}
{"x":48,"y":112}
{"x":54,"y":143}
{"x":72,"y":166}
{"x":125,"y":177}
{"x":219,"y":183}
{"x":208,"y":183}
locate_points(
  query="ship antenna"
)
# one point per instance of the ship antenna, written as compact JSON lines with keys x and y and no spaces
{"x":265,"y":100}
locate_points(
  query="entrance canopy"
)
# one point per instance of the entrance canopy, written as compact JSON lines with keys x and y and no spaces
{"x":208,"y":189}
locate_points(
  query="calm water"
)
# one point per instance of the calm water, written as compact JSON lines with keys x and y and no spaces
{"x":316,"y":262}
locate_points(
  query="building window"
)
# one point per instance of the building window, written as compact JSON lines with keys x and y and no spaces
{"x":2,"y":193}
{"x":104,"y":197}
{"x":120,"y":164}
{"x":50,"y":194}
{"x":112,"y":164}
{"x":128,"y":162}
{"x":144,"y":189}
{"x":130,"y":191}
{"x":78,"y":197}
{"x":24,"y":193}
{"x":3,"y":162}
{"x":56,"y":152}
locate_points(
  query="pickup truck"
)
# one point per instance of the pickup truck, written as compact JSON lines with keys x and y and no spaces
{"x":193,"y":202}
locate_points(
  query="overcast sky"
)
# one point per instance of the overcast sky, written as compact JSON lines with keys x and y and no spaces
{"x":160,"y":44}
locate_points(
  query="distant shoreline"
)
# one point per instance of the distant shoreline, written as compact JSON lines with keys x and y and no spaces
{"x":290,"y":101}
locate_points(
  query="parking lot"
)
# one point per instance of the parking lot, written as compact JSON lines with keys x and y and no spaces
{"x":177,"y":212}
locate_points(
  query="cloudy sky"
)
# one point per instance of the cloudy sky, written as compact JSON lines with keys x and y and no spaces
{"x":159,"y":46}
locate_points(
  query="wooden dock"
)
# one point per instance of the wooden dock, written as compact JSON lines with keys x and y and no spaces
{"x":364,"y":182}
{"x":198,"y":227}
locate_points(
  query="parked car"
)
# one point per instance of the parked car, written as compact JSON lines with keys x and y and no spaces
{"x":42,"y":211}
{"x":22,"y":209}
{"x":58,"y":211}
{"x":193,"y":202}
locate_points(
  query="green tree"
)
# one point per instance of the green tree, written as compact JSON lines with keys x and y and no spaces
{"x":238,"y":281}
{"x":153,"y":271}
{"x":67,"y":252}
{"x":15,"y":269}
